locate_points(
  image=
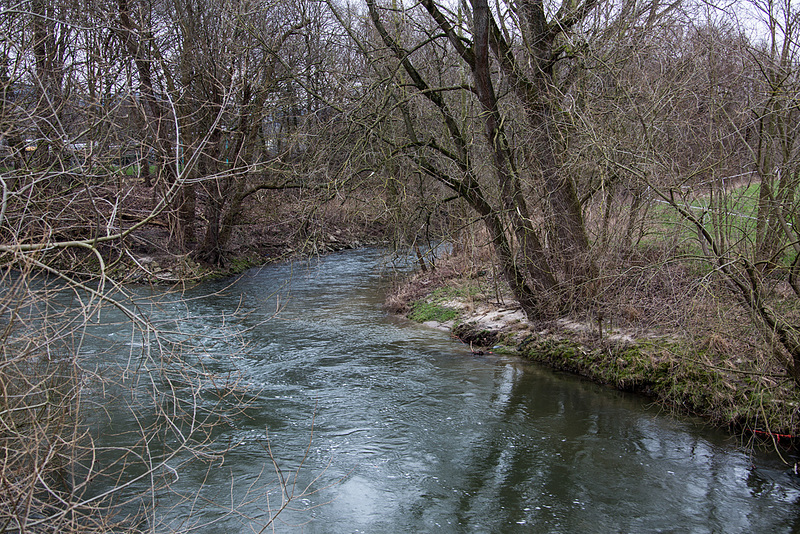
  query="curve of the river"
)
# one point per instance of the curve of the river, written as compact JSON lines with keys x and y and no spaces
{"x":405,"y":431}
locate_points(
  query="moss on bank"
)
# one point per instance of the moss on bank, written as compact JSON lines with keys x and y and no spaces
{"x":667,"y":371}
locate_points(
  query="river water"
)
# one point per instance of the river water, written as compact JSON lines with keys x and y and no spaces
{"x":401,"y":429}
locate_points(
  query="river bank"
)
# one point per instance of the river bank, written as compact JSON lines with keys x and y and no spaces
{"x":683,"y":370}
{"x":670,"y":337}
{"x":697,"y":367}
{"x":151,"y":266}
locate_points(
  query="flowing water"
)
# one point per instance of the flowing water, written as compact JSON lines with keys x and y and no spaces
{"x":401,"y":429}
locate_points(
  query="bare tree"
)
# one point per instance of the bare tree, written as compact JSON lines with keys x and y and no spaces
{"x":682,"y":118}
{"x":508,"y":73}
{"x":775,"y":138}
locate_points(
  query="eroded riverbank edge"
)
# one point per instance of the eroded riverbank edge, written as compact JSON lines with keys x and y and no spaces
{"x":664,"y":366}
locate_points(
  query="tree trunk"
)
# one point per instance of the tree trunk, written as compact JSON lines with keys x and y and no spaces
{"x":513,"y":201}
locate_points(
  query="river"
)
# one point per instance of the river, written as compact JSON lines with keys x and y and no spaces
{"x":401,"y":429}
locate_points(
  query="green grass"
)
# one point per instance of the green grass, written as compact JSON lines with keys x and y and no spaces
{"x":133,"y":170}
{"x":730,"y":219}
{"x":671,"y":374}
{"x":434,"y":307}
{"x":423,"y":311}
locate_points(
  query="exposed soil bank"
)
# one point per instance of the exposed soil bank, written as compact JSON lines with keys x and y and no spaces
{"x":666,"y":366}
